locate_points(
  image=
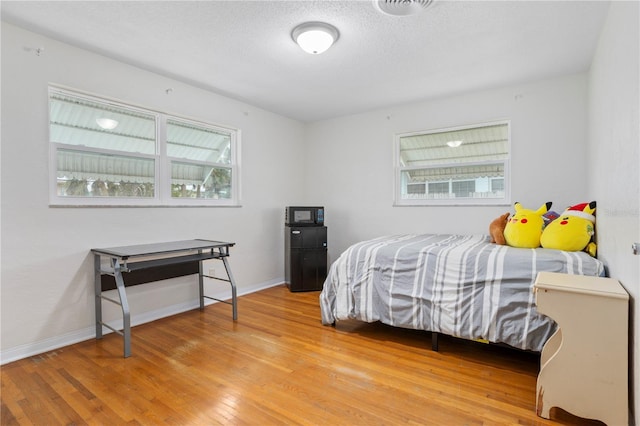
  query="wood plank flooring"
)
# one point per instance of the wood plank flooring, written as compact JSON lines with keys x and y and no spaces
{"x":276,"y":365}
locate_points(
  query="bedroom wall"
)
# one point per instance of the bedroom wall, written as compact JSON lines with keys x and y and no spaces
{"x":352,"y":169}
{"x":614,"y":159}
{"x":47,"y":295}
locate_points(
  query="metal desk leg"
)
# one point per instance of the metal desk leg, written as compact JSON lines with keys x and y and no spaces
{"x":97,"y":282}
{"x":234,"y":297}
{"x":201,"y":283}
{"x":126,"y":317}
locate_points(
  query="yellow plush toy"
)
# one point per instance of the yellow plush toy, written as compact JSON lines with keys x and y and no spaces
{"x":573,"y":230}
{"x":525,"y":226}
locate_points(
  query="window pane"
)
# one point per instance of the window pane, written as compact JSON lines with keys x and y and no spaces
{"x":455,"y":182}
{"x":85,"y":174}
{"x":473,"y":145}
{"x":79,"y":121}
{"x":463,"y":189}
{"x":199,"y":143}
{"x":497,"y":185}
{"x":200,"y":181}
{"x":439,"y":188}
{"x":416,"y":188}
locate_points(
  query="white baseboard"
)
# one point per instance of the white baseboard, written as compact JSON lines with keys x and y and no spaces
{"x":52,"y":343}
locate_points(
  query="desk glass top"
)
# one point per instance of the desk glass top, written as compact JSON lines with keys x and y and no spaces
{"x":160,"y":248}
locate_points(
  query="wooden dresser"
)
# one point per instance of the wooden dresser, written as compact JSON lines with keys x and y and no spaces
{"x":584,"y":365}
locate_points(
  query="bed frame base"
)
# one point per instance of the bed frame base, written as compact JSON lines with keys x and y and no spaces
{"x":434,"y":338}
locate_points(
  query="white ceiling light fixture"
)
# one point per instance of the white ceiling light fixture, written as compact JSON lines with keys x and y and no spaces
{"x":454,"y":144}
{"x":401,"y":7}
{"x":107,"y":123}
{"x":315,"y":37}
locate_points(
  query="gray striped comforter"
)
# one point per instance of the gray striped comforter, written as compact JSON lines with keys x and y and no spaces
{"x":460,"y":285}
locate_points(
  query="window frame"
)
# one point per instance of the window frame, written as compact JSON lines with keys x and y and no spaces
{"x":234,"y":136}
{"x":162,"y":170}
{"x":398,"y":201}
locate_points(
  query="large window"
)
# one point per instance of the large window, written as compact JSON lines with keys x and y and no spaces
{"x":107,"y":153}
{"x":462,"y":165}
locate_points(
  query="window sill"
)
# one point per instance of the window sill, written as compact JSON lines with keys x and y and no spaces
{"x":142,"y":206}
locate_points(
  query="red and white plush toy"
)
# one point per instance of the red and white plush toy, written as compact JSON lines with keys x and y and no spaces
{"x":573,"y":230}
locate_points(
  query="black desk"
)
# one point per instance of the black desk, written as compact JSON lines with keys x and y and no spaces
{"x":133,"y":258}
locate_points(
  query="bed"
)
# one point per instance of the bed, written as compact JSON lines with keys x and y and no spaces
{"x":459,"y":285}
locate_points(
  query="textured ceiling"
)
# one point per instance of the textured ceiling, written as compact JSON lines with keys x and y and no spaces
{"x":243,"y":49}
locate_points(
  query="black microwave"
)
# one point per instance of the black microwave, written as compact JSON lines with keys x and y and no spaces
{"x":304,"y":216}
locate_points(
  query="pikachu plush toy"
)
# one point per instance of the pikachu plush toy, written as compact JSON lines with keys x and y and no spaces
{"x":525,"y":226}
{"x":573,"y":230}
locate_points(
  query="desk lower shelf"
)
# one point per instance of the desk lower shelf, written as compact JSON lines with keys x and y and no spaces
{"x":154,"y":263}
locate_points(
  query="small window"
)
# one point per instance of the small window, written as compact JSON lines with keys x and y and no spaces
{"x":463,"y":165}
{"x":107,"y":153}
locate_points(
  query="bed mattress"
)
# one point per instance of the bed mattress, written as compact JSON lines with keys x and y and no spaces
{"x":459,"y":285}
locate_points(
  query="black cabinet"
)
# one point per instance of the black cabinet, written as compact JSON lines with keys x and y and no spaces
{"x":305,"y":259}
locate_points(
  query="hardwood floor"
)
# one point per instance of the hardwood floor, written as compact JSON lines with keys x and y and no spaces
{"x":276,"y":365}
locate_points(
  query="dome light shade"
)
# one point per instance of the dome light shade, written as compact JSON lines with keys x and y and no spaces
{"x":107,"y":123}
{"x":315,"y":37}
